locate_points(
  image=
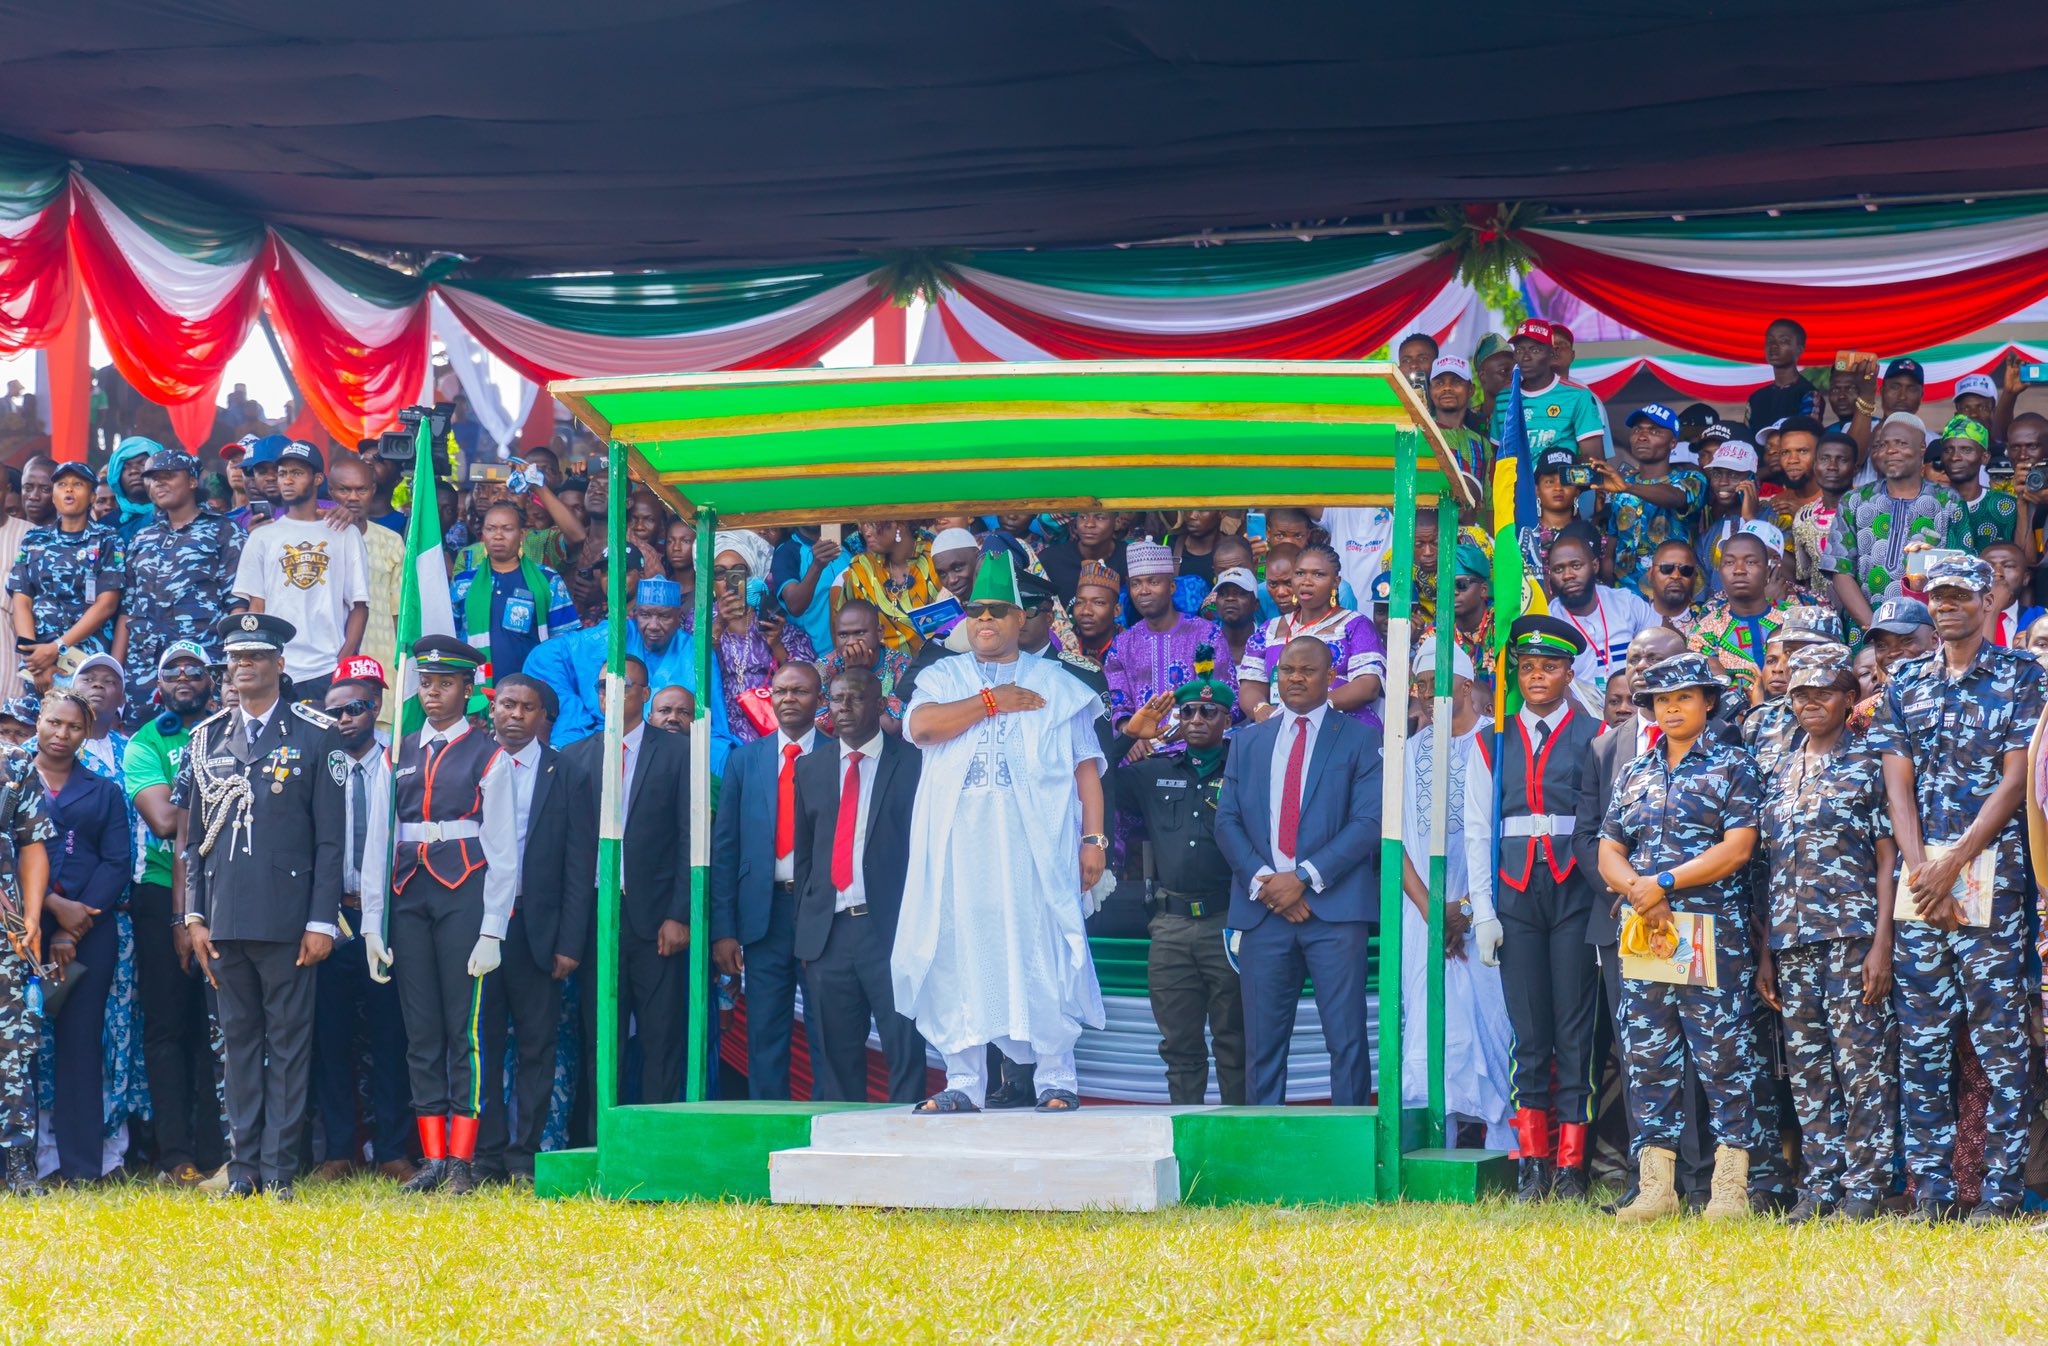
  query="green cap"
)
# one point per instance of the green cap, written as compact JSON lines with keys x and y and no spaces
{"x":1962,"y":427}
{"x":996,"y":580}
{"x":1205,"y":686}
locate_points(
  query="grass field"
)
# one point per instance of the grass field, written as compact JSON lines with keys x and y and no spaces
{"x":357,"y":1262}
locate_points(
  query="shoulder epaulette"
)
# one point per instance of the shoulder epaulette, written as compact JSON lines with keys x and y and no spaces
{"x":1082,"y":662}
{"x":220,"y":714}
{"x":319,"y":719}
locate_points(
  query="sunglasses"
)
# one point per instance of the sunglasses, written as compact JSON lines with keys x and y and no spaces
{"x":1202,"y":710}
{"x":1674,"y":568}
{"x":184,"y":673}
{"x":1466,"y":582}
{"x":355,"y":707}
{"x":989,"y":609}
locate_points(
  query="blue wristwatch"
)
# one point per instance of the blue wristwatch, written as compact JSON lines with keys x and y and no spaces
{"x":1667,"y":881}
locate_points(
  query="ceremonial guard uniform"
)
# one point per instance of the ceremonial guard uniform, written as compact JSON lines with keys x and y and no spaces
{"x":1664,"y":816}
{"x":1548,"y":972}
{"x":1188,"y":973}
{"x":454,"y":874}
{"x":24,"y":823}
{"x":263,"y":868}
{"x":1954,"y":730}
{"x":1826,"y":834}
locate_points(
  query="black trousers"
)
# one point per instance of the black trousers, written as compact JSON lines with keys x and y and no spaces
{"x":345,"y":997}
{"x":845,"y":987}
{"x":772,"y":971}
{"x":653,"y":1002}
{"x":531,"y":1004}
{"x":78,"y":1113}
{"x":265,"y":1004}
{"x":177,"y":1041}
{"x":1192,"y":986}
{"x":1552,"y":988}
{"x":433,"y":931}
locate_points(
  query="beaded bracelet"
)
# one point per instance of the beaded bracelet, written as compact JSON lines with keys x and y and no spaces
{"x":988,"y":699}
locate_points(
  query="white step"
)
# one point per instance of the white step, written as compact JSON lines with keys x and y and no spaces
{"x":1100,"y":1132}
{"x":964,"y":1180}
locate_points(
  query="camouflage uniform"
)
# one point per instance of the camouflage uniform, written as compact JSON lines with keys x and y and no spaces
{"x":179,"y":582}
{"x":1821,"y":824}
{"x":1665,"y":817}
{"x":1954,"y":732}
{"x":23,"y":821}
{"x":62,"y":573}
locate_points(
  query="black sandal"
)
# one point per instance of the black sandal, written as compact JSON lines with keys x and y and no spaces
{"x":1058,"y":1100}
{"x":944,"y":1102}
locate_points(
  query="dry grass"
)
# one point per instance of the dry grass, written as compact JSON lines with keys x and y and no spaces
{"x":356,"y":1262}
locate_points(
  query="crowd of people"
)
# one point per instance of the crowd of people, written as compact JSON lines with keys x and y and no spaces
{"x":1742,"y":883}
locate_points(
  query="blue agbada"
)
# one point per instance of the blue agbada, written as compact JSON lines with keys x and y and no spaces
{"x":571,"y":662}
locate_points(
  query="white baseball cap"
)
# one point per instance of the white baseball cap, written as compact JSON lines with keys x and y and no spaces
{"x":1239,"y":576}
{"x":1736,"y":455}
{"x":1980,"y":384}
{"x":1451,"y":364}
{"x":1461,"y":662}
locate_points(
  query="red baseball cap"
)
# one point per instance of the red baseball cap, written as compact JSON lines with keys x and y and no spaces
{"x":361,"y":668}
{"x":1534,"y":329}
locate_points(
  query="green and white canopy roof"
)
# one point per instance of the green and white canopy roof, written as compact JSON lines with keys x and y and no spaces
{"x":797,"y":445}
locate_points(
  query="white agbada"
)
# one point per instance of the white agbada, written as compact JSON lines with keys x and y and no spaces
{"x":990,"y":946}
{"x":1478,"y":1041}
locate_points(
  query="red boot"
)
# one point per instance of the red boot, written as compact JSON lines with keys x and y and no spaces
{"x":1533,"y":1173}
{"x":1569,"y":1184}
{"x":434,"y":1156}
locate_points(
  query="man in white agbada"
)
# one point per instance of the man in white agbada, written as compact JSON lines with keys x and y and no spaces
{"x":1478,"y":1041}
{"x":1006,"y":836}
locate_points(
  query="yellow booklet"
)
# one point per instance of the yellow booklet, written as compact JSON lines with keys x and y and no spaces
{"x":1681,"y":953}
{"x":1973,"y":888}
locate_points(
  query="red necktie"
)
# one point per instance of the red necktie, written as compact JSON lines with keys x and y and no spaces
{"x":2000,"y":638}
{"x":842,"y":834}
{"x":1290,"y":789}
{"x":1656,"y":735}
{"x":785,"y":801}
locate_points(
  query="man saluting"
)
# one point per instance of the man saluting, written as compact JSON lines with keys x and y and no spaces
{"x":263,"y":890}
{"x":1005,"y":838}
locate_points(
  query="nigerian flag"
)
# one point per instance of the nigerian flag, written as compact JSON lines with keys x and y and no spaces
{"x":1514,"y":502}
{"x":424,"y":608}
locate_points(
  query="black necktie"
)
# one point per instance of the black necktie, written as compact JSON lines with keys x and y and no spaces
{"x":1542,"y":734}
{"x":359,"y":807}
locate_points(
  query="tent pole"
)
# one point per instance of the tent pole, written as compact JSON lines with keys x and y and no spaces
{"x":1440,"y":804}
{"x":1393,"y":813}
{"x":611,"y":821}
{"x":702,"y":1033}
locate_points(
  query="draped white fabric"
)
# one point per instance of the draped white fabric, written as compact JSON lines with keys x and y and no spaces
{"x":499,"y":395}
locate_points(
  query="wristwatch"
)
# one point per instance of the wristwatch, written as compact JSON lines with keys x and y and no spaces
{"x":1667,"y":880}
{"x":194,"y":918}
{"x":1095,"y":839}
{"x":1465,"y":907}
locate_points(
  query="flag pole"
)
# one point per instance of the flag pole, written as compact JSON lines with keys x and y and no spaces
{"x":611,"y":820}
{"x":702,"y":1027}
{"x":1394,"y":814}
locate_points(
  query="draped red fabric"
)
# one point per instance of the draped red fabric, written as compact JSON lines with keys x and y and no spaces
{"x":1348,"y":329}
{"x":355,"y":390}
{"x":1715,"y":315}
{"x":35,"y":280}
{"x":170,"y":359}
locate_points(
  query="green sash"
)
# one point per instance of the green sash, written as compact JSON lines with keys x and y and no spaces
{"x":476,"y":605}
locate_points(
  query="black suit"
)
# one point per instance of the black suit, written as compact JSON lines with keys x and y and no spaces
{"x":557,"y":892}
{"x":846,"y":953}
{"x":655,"y":882}
{"x":258,"y":887}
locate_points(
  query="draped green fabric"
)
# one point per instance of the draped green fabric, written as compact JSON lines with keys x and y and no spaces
{"x":29,"y":181}
{"x":1848,"y":222}
{"x":1189,"y":272}
{"x":661,"y":303}
{"x":181,"y":222}
{"x":360,"y":276}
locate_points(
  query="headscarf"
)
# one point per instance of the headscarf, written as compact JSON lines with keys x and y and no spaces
{"x":749,"y":546}
{"x":131,"y":447}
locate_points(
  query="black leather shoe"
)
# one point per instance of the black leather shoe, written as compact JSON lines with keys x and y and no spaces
{"x":1012,"y":1094}
{"x":1990,"y":1213}
{"x":433,"y":1172}
{"x":1929,"y":1210}
{"x":1858,"y":1209}
{"x":1568,"y":1184}
{"x":1808,"y":1209}
{"x":279,"y":1191}
{"x":1532,"y":1180}
{"x":1771,"y":1203}
{"x":21,"y":1173}
{"x":243,"y":1187}
{"x":461,"y":1178}
{"x":1628,"y":1194}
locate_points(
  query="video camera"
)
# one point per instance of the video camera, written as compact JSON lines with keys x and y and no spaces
{"x":401,"y":446}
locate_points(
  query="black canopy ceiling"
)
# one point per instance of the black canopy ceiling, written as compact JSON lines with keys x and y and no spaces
{"x":546,"y":134}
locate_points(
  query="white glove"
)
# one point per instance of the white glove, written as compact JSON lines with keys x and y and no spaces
{"x":483,"y":959}
{"x":379,"y":954}
{"x":1091,"y":901}
{"x":1486,"y":937}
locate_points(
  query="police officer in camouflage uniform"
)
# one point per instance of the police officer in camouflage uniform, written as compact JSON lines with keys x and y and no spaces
{"x":24,"y":870}
{"x":1953,"y":727}
{"x":1188,"y":974}
{"x":1678,"y":837}
{"x":1802,"y":627}
{"x":180,"y":575}
{"x":1827,"y":965}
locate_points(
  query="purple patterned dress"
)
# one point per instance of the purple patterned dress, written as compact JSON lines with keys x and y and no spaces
{"x":1355,"y":652}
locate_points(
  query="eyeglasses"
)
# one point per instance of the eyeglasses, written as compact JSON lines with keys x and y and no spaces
{"x":1674,"y":568}
{"x":1466,"y":582}
{"x":989,"y":609}
{"x":1201,"y":710}
{"x":184,"y":673}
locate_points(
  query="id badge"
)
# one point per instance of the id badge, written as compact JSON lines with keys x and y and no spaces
{"x":519,"y":615}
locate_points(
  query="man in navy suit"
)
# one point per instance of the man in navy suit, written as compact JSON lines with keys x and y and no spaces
{"x":853,"y":805}
{"x":753,"y":876}
{"x":1299,"y":822}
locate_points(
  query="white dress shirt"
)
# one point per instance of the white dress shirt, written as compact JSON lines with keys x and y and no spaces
{"x":1283,"y":748}
{"x":376,"y":768}
{"x":871,"y":754}
{"x":1644,"y":724}
{"x":1530,"y":719}
{"x":629,"y":754}
{"x":524,"y":768}
{"x":785,"y":865}
{"x":499,"y":826}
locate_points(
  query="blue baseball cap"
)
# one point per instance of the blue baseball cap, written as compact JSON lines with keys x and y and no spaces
{"x":1901,"y":616}
{"x":1656,"y":413}
{"x":1909,"y":367}
{"x":265,"y":450}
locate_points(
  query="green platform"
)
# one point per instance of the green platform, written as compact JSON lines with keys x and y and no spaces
{"x":1308,"y":1155}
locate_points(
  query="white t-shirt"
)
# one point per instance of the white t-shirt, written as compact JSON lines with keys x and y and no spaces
{"x":310,"y":575}
{"x":1361,"y":534}
{"x":1617,"y":616}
